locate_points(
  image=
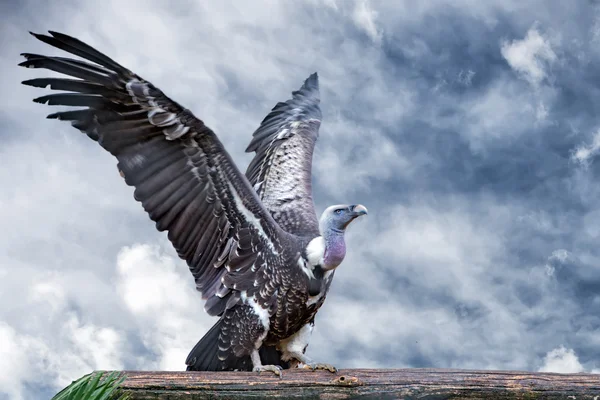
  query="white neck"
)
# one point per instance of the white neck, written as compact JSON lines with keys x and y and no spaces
{"x":315,"y":251}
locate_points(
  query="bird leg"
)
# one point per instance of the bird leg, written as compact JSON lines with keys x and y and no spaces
{"x":308,"y":363}
{"x":293,"y":349}
{"x":258,"y":367}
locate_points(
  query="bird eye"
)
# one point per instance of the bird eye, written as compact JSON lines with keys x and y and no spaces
{"x":338,"y":211}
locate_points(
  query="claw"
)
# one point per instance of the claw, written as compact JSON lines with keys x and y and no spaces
{"x":316,"y":366}
{"x":276,"y":369}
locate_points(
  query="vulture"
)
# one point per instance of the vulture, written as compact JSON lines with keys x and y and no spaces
{"x":261,"y":258}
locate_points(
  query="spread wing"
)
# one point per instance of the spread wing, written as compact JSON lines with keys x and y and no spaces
{"x":281,"y":169}
{"x":182,"y":175}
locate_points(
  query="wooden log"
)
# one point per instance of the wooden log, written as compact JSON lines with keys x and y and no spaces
{"x":435,"y":384}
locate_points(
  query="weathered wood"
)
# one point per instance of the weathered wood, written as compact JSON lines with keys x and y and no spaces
{"x":362,"y":384}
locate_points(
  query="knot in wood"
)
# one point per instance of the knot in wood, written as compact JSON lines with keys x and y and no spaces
{"x":347,"y":381}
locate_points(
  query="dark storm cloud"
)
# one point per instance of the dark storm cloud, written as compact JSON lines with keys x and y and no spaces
{"x":457,"y":62}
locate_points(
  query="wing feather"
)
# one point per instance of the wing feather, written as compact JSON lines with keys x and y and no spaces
{"x":184,"y":178}
{"x":281,"y":169}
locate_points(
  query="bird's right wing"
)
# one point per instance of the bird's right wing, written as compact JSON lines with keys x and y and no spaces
{"x":182,"y":175}
{"x":282,"y":166}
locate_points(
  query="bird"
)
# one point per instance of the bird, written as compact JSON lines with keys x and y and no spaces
{"x":261,"y":259}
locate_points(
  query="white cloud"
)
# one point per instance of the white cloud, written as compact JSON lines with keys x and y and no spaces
{"x":366,"y":18}
{"x":466,"y":77}
{"x":56,"y":345}
{"x":80,"y":348}
{"x":541,"y":112}
{"x":13,"y":364}
{"x":486,"y":113}
{"x":585,"y":153}
{"x":87,"y":347}
{"x":159,"y":291}
{"x":559,"y":256}
{"x":146,"y":281}
{"x":367,"y":162}
{"x":529,"y":56}
{"x":49,"y":292}
{"x":561,"y":360}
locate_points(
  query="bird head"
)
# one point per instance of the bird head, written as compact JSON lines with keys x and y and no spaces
{"x":338,"y":217}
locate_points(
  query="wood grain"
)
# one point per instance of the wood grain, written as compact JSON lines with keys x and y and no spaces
{"x":435,"y":384}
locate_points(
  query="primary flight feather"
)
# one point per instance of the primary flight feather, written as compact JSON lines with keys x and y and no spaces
{"x":260,"y":257}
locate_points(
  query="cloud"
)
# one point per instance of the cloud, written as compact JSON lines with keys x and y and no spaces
{"x":13,"y":366}
{"x":558,"y":256}
{"x":166,"y":308}
{"x":140,"y":268}
{"x":163,"y":312}
{"x":485,"y":115}
{"x":366,"y":18}
{"x":530,"y":56}
{"x":584,"y":154}
{"x":430,"y":256}
{"x":50,"y":363}
{"x":466,"y":77}
{"x":561,"y":360}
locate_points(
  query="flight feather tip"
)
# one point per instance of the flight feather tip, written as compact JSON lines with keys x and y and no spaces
{"x":312,"y":82}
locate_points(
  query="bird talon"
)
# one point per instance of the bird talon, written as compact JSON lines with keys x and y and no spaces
{"x":316,"y":366}
{"x":276,"y":369}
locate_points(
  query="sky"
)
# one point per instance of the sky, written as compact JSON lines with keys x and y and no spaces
{"x":468,"y":129}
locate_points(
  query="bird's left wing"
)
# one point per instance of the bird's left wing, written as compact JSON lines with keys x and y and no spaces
{"x":282,"y":166}
{"x":182,"y":175}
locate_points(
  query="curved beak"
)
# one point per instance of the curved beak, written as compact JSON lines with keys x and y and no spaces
{"x":359,"y":210}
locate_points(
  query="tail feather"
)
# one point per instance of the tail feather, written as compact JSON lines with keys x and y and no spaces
{"x":204,"y":355}
{"x":269,"y":355}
